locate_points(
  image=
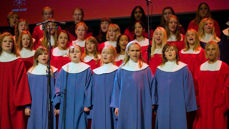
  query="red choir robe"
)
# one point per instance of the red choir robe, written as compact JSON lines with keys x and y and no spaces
{"x":193,"y":25}
{"x":119,"y":60}
{"x":79,"y":43}
{"x":155,"y":60}
{"x":213,"y":86}
{"x":27,"y":57}
{"x":92,"y":62}
{"x":14,"y":92}
{"x":59,"y":58}
{"x":131,"y":35}
{"x":180,"y":44}
{"x":105,"y":44}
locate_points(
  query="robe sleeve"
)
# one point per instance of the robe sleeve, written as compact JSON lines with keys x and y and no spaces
{"x":22,"y":95}
{"x":226,"y":83}
{"x":189,"y":92}
{"x":116,"y":91}
{"x":154,"y":92}
{"x":59,"y":89}
{"x":88,"y":88}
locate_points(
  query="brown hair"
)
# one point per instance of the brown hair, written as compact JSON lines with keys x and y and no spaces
{"x":163,"y":22}
{"x":63,"y":31}
{"x":116,"y":29}
{"x":94,"y":41}
{"x":16,"y":31}
{"x":177,"y":31}
{"x":19,"y":43}
{"x":197,"y":41}
{"x":2,"y":36}
{"x":167,"y":46}
{"x":198,"y":18}
{"x":10,"y":14}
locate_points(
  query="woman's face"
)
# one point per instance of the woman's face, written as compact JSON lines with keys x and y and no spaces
{"x":104,"y":26}
{"x":191,"y":38}
{"x":7,"y":44}
{"x":138,"y":14}
{"x":47,"y":14}
{"x":138,"y":29}
{"x":134,"y":52}
{"x":25,"y":40}
{"x":167,"y":13}
{"x":62,"y":40}
{"x":77,"y":16}
{"x":173,"y":23}
{"x":208,"y":26}
{"x":170,"y":54}
{"x":111,"y":34}
{"x":158,"y":36}
{"x":22,"y":26}
{"x":13,"y":20}
{"x":211,"y":52}
{"x":203,"y":11}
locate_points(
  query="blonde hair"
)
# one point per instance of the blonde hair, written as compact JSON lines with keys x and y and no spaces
{"x":114,"y":53}
{"x":127,"y":57}
{"x":2,"y":36}
{"x":19,"y":43}
{"x":167,"y":46}
{"x":215,"y":44}
{"x":95,"y":52}
{"x":164,"y":39}
{"x":197,"y":41}
{"x":116,"y":28}
{"x":45,"y":39}
{"x":201,"y":27}
{"x":177,"y":31}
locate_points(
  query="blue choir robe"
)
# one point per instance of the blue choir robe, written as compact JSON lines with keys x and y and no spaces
{"x":38,"y":83}
{"x":132,"y":96}
{"x":174,"y":88}
{"x":71,"y":95}
{"x":103,"y":116}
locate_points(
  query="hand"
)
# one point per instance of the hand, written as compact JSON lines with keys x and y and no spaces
{"x":57,"y":112}
{"x":27,"y":111}
{"x":86,"y":109}
{"x":116,"y":111}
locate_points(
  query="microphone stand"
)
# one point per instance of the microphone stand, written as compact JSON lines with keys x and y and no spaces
{"x":148,"y":28}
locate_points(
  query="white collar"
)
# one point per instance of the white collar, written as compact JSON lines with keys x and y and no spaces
{"x":75,"y":67}
{"x":133,"y":66}
{"x":7,"y":57}
{"x":157,"y":51}
{"x":57,"y":52}
{"x":41,"y":27}
{"x":120,"y":57}
{"x":190,"y":51}
{"x":105,"y":68}
{"x":89,"y":58}
{"x":41,"y":69}
{"x":209,"y":37}
{"x":80,"y":43}
{"x":26,"y":53}
{"x":226,"y":31}
{"x":112,"y":43}
{"x":144,"y":42}
{"x":174,"y":38}
{"x":211,"y":67}
{"x":171,"y":66}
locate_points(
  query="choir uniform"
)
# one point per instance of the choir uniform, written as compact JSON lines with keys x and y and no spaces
{"x":90,"y":60}
{"x":103,"y":116}
{"x":144,"y":48}
{"x":213,"y":85}
{"x":224,"y":56}
{"x":39,"y":89}
{"x":179,"y":44}
{"x":14,"y":92}
{"x":175,"y":95}
{"x":132,"y":95}
{"x":27,"y":57}
{"x":207,"y":38}
{"x":59,"y":58}
{"x":131,"y":35}
{"x":155,"y":60}
{"x":79,"y":43}
{"x":119,"y":60}
{"x":105,"y":44}
{"x":72,"y":95}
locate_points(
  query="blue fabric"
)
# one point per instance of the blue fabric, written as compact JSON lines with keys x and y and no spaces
{"x":39,"y":107}
{"x":76,"y":98}
{"x":132,"y":95}
{"x":175,"y":96}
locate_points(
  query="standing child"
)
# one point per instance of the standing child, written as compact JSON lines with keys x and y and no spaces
{"x":22,"y":25}
{"x":174,"y":90}
{"x":213,"y":86}
{"x":112,"y":36}
{"x":102,"y":85}
{"x":25,"y":48}
{"x":39,"y":89}
{"x":158,"y":42}
{"x":121,"y":47}
{"x":104,"y":23}
{"x":91,"y":55}
{"x":14,"y":88}
{"x":80,"y":30}
{"x":173,"y":32}
{"x":131,"y":95}
{"x":60,"y":53}
{"x":71,"y":92}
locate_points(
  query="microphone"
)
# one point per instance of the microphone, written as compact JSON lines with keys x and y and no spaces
{"x":56,"y":22}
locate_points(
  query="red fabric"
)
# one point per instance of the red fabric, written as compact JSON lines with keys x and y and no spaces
{"x":14,"y":94}
{"x":59,"y":61}
{"x":28,"y":62}
{"x":213,"y":95}
{"x":180,"y":44}
{"x":154,"y":62}
{"x":131,"y":34}
{"x":118,"y":63}
{"x":101,"y":46}
{"x":93,"y":64}
{"x":193,"y":25}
